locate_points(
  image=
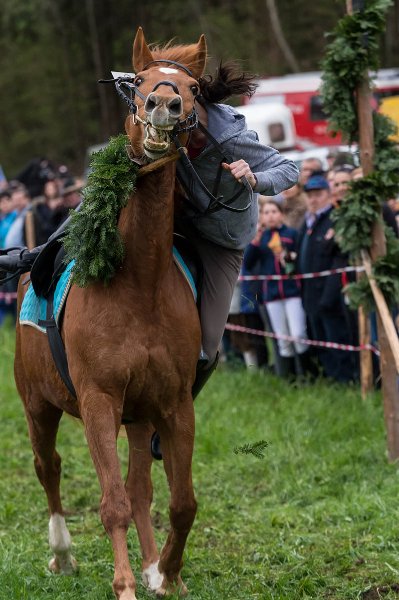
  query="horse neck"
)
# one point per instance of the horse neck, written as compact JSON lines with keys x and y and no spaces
{"x":146,"y":226}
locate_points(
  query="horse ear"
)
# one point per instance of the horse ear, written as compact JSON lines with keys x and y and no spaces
{"x":198,"y":69}
{"x":141,"y":53}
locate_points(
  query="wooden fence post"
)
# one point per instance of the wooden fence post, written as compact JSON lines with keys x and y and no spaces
{"x":387,"y":336}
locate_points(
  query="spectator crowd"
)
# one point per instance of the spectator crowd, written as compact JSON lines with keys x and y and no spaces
{"x":32,"y":206}
{"x":296,"y":236}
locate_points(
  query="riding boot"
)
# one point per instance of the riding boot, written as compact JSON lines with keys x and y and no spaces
{"x":17,"y":260}
{"x":202,"y":376}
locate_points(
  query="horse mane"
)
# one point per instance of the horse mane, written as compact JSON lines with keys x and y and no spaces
{"x":184,"y":54}
{"x":229,"y":80}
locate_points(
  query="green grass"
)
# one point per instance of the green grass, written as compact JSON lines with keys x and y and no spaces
{"x":316,"y":518}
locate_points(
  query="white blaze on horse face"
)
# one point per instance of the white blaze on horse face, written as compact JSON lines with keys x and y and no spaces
{"x":152,"y":578}
{"x":168,"y":71}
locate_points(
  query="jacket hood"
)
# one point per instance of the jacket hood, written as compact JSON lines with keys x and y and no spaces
{"x":224,"y":122}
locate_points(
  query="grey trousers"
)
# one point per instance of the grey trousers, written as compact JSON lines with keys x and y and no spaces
{"x":221,"y":270}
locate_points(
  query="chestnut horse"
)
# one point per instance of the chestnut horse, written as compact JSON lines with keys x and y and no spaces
{"x":132,"y":349}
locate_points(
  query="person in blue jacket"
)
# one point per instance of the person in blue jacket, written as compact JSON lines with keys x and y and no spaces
{"x":275,"y":251}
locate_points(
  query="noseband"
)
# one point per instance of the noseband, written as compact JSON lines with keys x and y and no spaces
{"x":127,"y":89}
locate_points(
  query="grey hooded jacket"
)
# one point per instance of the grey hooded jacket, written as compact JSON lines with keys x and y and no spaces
{"x":273,"y":172}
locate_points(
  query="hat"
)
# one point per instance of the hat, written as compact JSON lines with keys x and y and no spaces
{"x":71,"y":185}
{"x":316,"y":182}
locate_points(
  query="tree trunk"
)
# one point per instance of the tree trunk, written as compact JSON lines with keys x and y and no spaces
{"x":280,"y":37}
{"x":98,"y":66}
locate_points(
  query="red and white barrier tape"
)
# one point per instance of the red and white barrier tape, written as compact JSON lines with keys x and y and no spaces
{"x":290,"y":338}
{"x":301,"y":275}
{"x":10,"y":296}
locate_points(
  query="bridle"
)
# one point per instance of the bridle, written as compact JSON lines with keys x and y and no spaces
{"x":128,"y":89}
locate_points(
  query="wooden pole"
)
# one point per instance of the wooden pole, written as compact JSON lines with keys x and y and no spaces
{"x":387,"y":340}
{"x":366,"y":361}
{"x":383,"y":310}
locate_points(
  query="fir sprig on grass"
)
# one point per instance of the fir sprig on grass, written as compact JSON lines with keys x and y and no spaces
{"x":255,"y":449}
{"x":93,"y":239}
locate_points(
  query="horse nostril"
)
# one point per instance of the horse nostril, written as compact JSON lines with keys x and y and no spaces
{"x":150,"y":103}
{"x":175,"y":106}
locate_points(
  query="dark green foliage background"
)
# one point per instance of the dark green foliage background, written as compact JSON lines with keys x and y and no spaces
{"x":51,"y":58}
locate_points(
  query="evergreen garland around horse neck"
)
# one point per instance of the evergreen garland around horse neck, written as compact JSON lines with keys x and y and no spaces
{"x":93,"y":239}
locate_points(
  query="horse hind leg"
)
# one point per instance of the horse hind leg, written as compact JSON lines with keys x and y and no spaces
{"x":139,"y":488}
{"x":43,"y":420}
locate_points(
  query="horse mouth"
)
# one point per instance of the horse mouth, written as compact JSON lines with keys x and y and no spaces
{"x":157,"y":140}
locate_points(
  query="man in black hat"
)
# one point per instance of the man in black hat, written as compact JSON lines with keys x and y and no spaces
{"x":321,"y":296}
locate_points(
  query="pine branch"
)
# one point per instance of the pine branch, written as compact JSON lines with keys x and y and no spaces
{"x":255,"y":449}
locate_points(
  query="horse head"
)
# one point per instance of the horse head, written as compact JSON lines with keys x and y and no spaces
{"x":166,"y":85}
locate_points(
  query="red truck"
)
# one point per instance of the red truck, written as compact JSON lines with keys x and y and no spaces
{"x":300,"y":92}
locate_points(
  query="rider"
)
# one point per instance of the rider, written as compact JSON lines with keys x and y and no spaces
{"x":234,"y":167}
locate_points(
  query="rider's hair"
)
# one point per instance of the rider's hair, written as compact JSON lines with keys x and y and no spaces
{"x":229,"y":80}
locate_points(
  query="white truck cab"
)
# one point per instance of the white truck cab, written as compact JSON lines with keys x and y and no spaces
{"x":273,"y":122}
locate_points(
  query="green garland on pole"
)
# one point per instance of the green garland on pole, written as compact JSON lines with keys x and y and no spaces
{"x":353,"y":51}
{"x":93,"y":238}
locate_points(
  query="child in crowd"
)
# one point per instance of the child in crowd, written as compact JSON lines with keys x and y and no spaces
{"x":274,"y":249}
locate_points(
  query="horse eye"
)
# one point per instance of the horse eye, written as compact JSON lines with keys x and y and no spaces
{"x":138,"y":81}
{"x":194,"y":89}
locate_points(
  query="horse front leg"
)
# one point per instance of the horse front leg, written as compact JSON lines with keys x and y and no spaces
{"x":102,"y":422}
{"x":139,"y":488}
{"x":177,"y":441}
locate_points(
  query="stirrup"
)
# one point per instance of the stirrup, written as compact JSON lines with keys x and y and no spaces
{"x":156,"y":446}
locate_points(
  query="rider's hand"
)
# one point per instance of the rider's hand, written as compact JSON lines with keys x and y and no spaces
{"x":240,"y":169}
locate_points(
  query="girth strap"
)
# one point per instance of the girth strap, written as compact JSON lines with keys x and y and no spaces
{"x":57,"y":345}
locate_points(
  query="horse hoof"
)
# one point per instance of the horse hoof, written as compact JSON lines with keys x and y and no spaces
{"x":63,"y":565}
{"x":152,"y":578}
{"x":167,"y":589}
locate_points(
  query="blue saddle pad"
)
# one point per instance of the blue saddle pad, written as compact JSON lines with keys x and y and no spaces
{"x":34,"y":308}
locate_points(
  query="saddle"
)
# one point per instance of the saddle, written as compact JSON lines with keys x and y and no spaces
{"x":50,"y":264}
